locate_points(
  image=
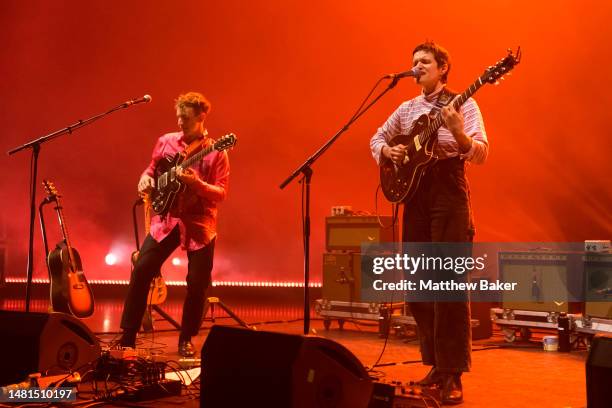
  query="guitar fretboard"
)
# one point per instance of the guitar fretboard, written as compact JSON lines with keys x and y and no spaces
{"x":62,"y":222}
{"x":459,"y":100}
{"x":197,"y":157}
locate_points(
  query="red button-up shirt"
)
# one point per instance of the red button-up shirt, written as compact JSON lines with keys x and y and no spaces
{"x":195,"y":209}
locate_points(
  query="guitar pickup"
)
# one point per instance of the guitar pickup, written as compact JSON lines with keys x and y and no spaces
{"x":417,"y":143}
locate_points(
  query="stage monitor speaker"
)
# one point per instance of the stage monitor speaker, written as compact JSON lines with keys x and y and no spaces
{"x":599,"y":372}
{"x":246,"y":368}
{"x":43,"y":343}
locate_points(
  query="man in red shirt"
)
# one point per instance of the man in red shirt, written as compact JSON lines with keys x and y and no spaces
{"x":190,"y":223}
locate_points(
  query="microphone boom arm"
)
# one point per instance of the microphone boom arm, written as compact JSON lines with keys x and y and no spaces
{"x":35,"y":146}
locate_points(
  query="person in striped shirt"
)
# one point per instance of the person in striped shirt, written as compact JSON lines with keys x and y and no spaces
{"x":439,"y":211}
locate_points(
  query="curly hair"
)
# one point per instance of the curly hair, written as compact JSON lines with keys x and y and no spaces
{"x":194,"y":100}
{"x":439,"y":53}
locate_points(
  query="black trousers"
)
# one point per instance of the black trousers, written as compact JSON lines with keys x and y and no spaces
{"x":440,"y":212}
{"x":152,"y":256}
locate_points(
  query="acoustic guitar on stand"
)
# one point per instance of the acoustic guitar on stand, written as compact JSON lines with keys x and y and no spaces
{"x":70,"y":292}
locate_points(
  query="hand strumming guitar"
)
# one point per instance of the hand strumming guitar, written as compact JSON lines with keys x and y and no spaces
{"x":396,"y":153}
{"x":146,"y":184}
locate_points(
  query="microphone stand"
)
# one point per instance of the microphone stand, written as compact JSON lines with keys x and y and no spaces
{"x":306,"y":170}
{"x":35,"y":146}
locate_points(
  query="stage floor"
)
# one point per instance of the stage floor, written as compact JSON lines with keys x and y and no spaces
{"x":519,"y":374}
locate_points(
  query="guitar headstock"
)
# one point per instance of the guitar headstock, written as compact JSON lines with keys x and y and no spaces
{"x":226,"y":142}
{"x":503,"y":67}
{"x":51,"y":190}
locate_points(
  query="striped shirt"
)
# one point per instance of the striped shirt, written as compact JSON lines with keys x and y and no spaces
{"x":400,"y":123}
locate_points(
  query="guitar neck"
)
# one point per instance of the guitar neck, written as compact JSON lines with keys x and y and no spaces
{"x":62,"y":222}
{"x":457,"y":102}
{"x":197,"y":157}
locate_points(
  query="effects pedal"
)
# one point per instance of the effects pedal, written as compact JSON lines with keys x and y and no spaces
{"x":395,"y":394}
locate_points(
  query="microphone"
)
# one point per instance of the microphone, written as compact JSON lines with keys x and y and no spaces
{"x":144,"y":99}
{"x":414,"y":72}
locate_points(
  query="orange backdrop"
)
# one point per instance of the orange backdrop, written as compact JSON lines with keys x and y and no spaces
{"x":285,"y":76}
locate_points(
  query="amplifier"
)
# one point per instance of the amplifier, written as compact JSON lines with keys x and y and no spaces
{"x":598,"y":285}
{"x":348,"y":232}
{"x":342,"y":277}
{"x":544,"y":280}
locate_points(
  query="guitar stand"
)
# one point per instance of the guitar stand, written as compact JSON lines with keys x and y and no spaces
{"x":147,"y":319}
{"x":210,"y":304}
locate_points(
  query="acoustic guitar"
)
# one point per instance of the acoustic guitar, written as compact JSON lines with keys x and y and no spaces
{"x":70,"y":292}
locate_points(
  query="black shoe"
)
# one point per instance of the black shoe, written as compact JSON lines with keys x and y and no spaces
{"x":433,"y":377}
{"x":128,"y":339}
{"x":186,"y":349}
{"x":452,"y":391}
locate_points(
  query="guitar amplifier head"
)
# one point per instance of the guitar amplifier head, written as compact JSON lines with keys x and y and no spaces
{"x":348,"y":232}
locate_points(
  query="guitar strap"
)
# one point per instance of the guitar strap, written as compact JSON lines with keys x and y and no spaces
{"x":194,"y":147}
{"x":445,"y":97}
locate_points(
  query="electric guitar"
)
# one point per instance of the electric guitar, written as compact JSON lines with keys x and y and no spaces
{"x":399,"y":182}
{"x":70,"y":292}
{"x":158,"y":292}
{"x":167,"y":184}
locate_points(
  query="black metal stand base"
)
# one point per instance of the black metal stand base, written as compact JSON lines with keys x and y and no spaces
{"x":147,"y":320}
{"x":210,"y":305}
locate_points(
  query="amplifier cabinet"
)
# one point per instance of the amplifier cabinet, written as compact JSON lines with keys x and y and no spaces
{"x":342,"y":276}
{"x":545,"y":281}
{"x":348,"y":232}
{"x":598,"y":285}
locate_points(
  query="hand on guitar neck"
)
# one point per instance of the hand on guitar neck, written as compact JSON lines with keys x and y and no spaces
{"x":187,"y":176}
{"x":453,"y":120}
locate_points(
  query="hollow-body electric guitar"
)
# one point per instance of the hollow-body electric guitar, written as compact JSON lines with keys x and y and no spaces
{"x":70,"y":292}
{"x":399,"y":182}
{"x":167,"y":184}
